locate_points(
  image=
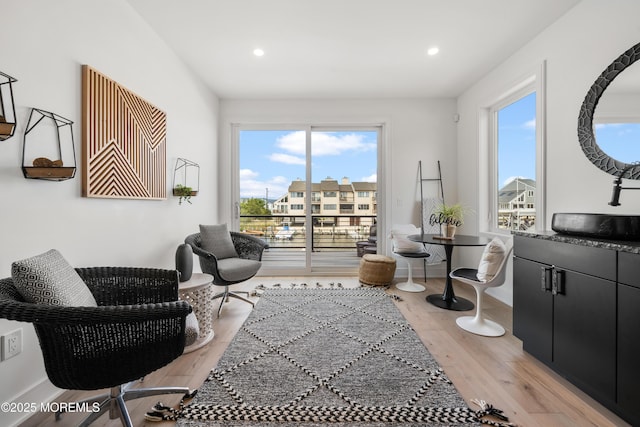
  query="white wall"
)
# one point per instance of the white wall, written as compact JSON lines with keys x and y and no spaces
{"x":44,"y":45}
{"x":577,"y":48}
{"x":416,"y":129}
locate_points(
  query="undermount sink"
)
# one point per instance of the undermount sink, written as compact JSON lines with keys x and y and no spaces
{"x":602,"y":226}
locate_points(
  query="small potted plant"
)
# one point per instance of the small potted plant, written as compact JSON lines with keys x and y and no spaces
{"x":449,"y":217}
{"x":184,"y":193}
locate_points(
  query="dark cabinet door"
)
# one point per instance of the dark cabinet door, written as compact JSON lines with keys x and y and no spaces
{"x":577,"y":309}
{"x":584,"y":324}
{"x":629,"y":351}
{"x":533,"y":308}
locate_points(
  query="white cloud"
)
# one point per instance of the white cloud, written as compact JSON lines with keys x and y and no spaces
{"x":530,"y":124}
{"x":293,"y":142}
{"x":324,"y":144}
{"x":251,"y":186}
{"x":621,"y":129}
{"x":608,"y":125}
{"x":287,"y":159}
{"x":291,"y":151}
{"x":370,"y":178}
{"x":247,"y":174}
{"x":279,"y":180}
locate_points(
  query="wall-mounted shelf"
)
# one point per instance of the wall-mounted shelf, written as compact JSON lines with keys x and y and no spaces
{"x":50,"y":136}
{"x":186,"y":174}
{"x":7,"y":107}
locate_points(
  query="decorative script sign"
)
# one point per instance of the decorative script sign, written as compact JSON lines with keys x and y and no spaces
{"x":443,"y":219}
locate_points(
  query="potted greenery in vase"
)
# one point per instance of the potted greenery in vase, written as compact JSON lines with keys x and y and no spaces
{"x":450,"y":217}
{"x":184,"y":193}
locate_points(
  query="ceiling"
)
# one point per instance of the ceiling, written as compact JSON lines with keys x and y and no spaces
{"x":346,"y":48}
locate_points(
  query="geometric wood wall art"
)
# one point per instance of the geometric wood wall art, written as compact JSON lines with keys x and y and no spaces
{"x":123,"y":142}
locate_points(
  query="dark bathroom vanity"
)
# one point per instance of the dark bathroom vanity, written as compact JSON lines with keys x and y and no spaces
{"x":576,"y":307}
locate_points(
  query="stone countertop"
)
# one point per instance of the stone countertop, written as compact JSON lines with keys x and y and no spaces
{"x":616,"y":245}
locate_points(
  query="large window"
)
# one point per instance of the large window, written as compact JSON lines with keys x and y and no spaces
{"x":515,"y":166}
{"x":303,"y":182}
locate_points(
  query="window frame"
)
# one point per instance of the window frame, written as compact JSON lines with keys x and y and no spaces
{"x":533,"y":81}
{"x":231,"y":150}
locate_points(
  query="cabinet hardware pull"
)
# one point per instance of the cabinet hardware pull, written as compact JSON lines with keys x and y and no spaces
{"x":557,"y":279}
{"x":545,"y":282}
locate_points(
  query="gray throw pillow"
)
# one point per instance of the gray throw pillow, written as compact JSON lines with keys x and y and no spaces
{"x":49,"y":279}
{"x":217,"y":240}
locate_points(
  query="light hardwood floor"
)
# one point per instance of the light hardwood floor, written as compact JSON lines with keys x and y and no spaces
{"x":492,"y":369}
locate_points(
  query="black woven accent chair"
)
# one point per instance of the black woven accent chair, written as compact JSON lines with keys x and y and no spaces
{"x":229,"y":271}
{"x":138,"y":327}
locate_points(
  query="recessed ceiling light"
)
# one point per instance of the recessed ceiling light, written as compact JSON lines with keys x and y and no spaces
{"x":432,"y":51}
{"x":258,"y":52}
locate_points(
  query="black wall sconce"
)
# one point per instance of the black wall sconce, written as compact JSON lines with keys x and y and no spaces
{"x":7,"y":107}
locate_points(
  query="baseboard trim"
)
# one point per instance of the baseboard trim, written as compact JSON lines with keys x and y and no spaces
{"x":41,"y":392}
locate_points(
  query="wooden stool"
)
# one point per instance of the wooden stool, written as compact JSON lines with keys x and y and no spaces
{"x":376,"y":270}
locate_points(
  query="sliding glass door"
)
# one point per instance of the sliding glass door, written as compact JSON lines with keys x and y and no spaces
{"x":311,"y":192}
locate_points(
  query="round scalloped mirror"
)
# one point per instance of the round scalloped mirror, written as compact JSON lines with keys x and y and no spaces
{"x":586,"y":135}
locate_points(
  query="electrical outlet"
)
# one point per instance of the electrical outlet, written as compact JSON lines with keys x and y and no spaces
{"x":11,"y":344}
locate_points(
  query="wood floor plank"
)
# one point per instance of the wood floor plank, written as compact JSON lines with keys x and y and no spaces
{"x":494,"y":369}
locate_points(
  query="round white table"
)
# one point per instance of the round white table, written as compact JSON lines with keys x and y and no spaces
{"x":198,"y":291}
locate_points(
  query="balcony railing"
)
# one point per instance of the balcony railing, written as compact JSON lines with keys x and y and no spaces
{"x":328,"y":232}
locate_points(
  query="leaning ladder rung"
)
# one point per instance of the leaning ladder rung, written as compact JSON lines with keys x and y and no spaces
{"x":439,"y":179}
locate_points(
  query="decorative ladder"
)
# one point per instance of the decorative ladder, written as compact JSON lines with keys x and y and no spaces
{"x":439,"y":250}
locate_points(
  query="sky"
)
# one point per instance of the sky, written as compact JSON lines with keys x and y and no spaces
{"x":517,"y":140}
{"x":516,"y":136}
{"x":273,"y":159}
{"x":619,"y":140}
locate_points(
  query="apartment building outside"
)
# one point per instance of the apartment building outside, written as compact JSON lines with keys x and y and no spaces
{"x":336,"y":203}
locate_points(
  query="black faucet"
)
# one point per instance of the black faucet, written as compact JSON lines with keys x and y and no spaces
{"x":617,"y":185}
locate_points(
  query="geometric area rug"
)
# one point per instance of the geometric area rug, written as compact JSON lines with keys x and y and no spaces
{"x":338,"y":357}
